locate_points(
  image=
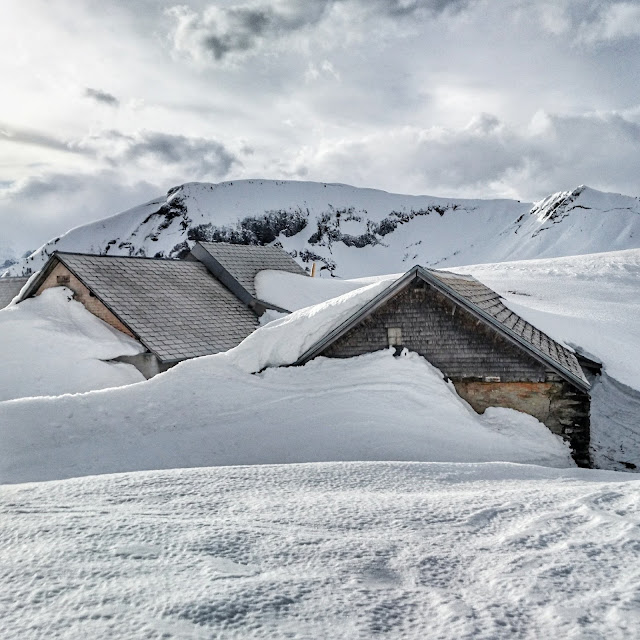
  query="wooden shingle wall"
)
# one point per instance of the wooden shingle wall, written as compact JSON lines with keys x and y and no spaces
{"x":449,"y":337}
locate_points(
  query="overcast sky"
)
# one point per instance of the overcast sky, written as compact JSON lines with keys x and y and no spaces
{"x":108,"y":103}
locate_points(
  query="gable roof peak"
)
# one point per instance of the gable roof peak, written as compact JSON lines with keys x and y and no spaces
{"x":482,"y":302}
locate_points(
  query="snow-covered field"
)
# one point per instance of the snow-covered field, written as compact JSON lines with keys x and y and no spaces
{"x":342,"y":550}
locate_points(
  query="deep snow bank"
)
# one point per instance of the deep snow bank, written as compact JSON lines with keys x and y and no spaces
{"x":50,"y":345}
{"x":350,"y":550}
{"x":208,"y":412}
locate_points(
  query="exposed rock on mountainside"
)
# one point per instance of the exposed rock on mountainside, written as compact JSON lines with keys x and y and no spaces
{"x":352,"y":232}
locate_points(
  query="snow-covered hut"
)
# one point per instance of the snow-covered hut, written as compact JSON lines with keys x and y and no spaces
{"x":177,"y":309}
{"x":492,"y":355}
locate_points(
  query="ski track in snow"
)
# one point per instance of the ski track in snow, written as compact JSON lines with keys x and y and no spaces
{"x":349,"y":550}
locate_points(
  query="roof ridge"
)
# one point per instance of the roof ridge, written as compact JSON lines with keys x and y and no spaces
{"x":106,"y":255}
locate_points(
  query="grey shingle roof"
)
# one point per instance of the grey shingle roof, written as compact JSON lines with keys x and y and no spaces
{"x":176,"y":308}
{"x":9,"y":289}
{"x":243,"y":262}
{"x":488,"y":301}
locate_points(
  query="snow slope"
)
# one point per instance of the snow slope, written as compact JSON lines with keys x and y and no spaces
{"x":355,"y":232}
{"x":375,"y":407}
{"x":348,"y":550}
{"x":52,"y":345}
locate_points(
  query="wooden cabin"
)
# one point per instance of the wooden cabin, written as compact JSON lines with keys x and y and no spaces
{"x":493,"y":356}
{"x":177,"y":309}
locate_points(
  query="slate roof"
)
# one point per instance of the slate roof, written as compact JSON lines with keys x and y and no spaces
{"x":486,"y":305}
{"x":176,"y":308}
{"x":243,"y":262}
{"x":488,"y":301}
{"x":9,"y":289}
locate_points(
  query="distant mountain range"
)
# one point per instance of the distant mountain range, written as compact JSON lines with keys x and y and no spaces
{"x":353,"y":232}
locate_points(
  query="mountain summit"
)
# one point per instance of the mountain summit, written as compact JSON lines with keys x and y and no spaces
{"x":352,"y":232}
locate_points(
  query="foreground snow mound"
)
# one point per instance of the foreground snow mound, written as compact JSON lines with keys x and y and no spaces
{"x":207,"y":412}
{"x":350,"y":550}
{"x":50,"y":345}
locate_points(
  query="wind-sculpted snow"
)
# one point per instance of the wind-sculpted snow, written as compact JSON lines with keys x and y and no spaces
{"x":351,"y":232}
{"x":346,"y":550}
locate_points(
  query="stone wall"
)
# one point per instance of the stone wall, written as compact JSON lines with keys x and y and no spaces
{"x":486,"y":368}
{"x":57,"y":278}
{"x":559,"y":405}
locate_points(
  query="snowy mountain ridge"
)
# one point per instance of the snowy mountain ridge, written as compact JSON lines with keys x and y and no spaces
{"x":352,"y":232}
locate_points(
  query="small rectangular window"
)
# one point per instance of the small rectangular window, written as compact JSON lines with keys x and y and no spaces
{"x":63,"y":280}
{"x":394,"y":335}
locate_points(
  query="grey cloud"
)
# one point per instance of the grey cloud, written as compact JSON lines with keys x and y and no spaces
{"x":191,"y":157}
{"x":488,"y":158}
{"x":592,"y":23}
{"x":218,"y":32}
{"x":102,"y":96}
{"x":39,"y":208}
{"x":36,"y":138}
{"x":410,"y":7}
{"x":610,"y":22}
